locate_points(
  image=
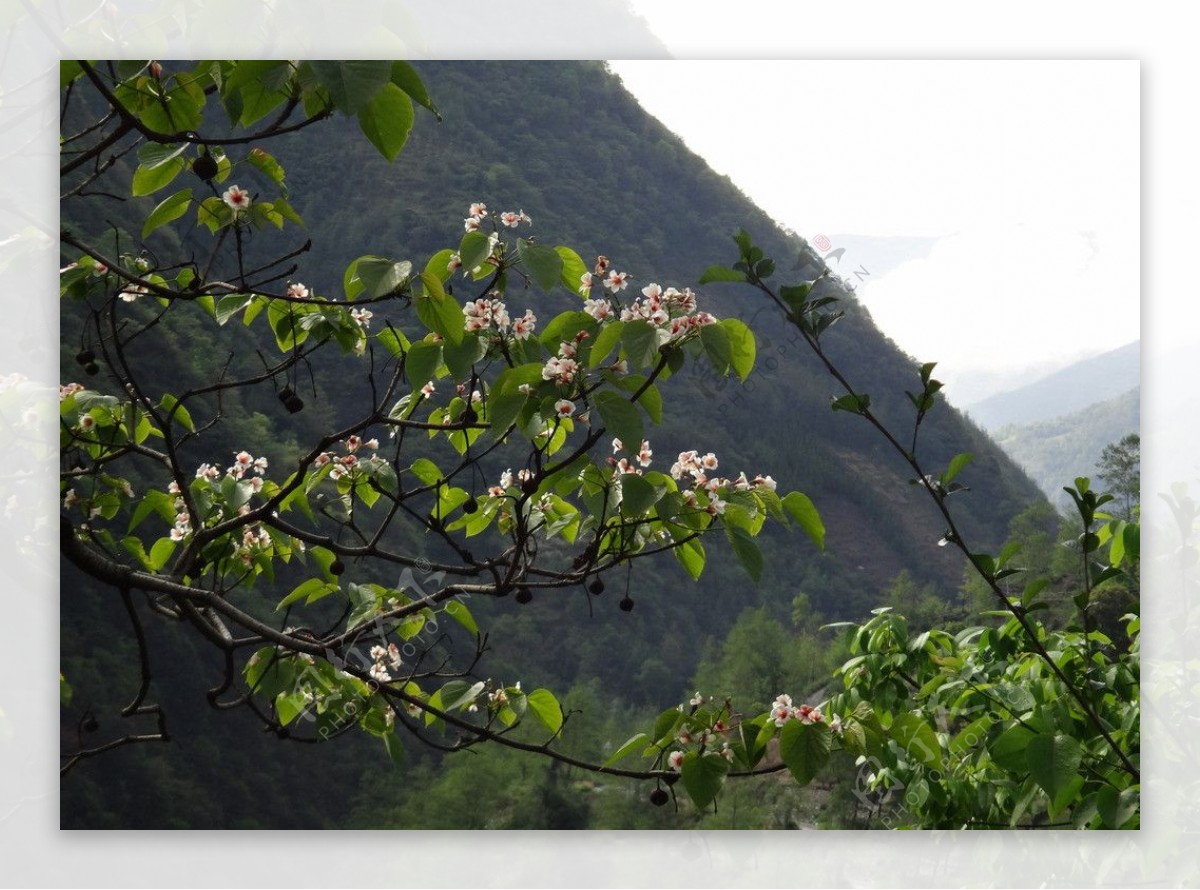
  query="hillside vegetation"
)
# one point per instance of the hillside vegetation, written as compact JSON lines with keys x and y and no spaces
{"x":565,"y":143}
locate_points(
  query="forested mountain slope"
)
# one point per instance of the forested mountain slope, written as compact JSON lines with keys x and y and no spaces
{"x":564,"y":142}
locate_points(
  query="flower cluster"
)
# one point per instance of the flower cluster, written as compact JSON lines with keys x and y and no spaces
{"x":487,"y":313}
{"x":345,"y":464}
{"x":624,"y":465}
{"x":694,"y":469}
{"x":475,"y":216}
{"x":507,"y":480}
{"x":385,"y":660}
{"x":512,"y":220}
{"x":782,"y":711}
{"x":68,"y":390}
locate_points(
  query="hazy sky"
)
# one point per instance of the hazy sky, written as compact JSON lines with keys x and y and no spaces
{"x":1023,"y":176}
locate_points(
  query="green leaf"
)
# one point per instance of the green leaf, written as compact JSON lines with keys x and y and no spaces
{"x":715,"y":340}
{"x":1053,"y":761}
{"x":741,"y":347}
{"x":405,"y":76}
{"x":380,"y":277}
{"x":542,"y":262}
{"x":352,"y":84}
{"x":311,"y":587}
{"x":715,"y":274}
{"x":703,"y":775}
{"x":438,"y":312}
{"x":855,"y":403}
{"x":1116,"y":807}
{"x":387,"y":120}
{"x":473,"y":249}
{"x":395,"y":750}
{"x":636,"y":743}
{"x":426,"y":470}
{"x":801,"y":509}
{"x":266,"y":164}
{"x":637,"y":494}
{"x":546,"y":708}
{"x":149,"y":179}
{"x":956,"y":465}
{"x":289,"y":706}
{"x":609,"y":337}
{"x":69,"y":70}
{"x":918,"y":738}
{"x":254,"y":88}
{"x":746,"y":550}
{"x":639,"y":339}
{"x":621,"y":418}
{"x":169,"y":210}
{"x":461,"y":357}
{"x":971,"y":736}
{"x":1008,"y":750}
{"x":565,"y":326}
{"x":573,"y":269}
{"x":230,"y":305}
{"x":691,"y":556}
{"x":421,"y":362}
{"x":177,"y":412}
{"x":161,"y":552}
{"x":804,"y":748}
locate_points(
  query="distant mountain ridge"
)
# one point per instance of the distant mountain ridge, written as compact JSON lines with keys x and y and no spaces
{"x":1066,"y":391}
{"x":1053,"y":452}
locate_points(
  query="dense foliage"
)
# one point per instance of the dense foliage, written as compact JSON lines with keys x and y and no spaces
{"x":445,"y":455}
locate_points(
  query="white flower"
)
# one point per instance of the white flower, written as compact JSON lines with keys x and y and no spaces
{"x":427,"y":389}
{"x":597,"y":309}
{"x":564,"y":407}
{"x":675,"y":760}
{"x":616,"y":281}
{"x":477,"y":211}
{"x":524,"y":325}
{"x":765,"y":482}
{"x":297,"y":290}
{"x":362,"y":316}
{"x":237,"y":198}
{"x":697,"y":700}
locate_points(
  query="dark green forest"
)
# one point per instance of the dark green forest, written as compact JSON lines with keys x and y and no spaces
{"x":564,"y":142}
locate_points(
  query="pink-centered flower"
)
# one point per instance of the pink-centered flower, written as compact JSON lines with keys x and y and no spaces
{"x":237,"y":198}
{"x":298,"y":290}
{"x":523,"y":326}
{"x":564,"y":407}
{"x":675,"y":760}
{"x":616,"y":281}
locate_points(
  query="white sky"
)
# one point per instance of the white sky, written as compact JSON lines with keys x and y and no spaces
{"x":1026,"y":173}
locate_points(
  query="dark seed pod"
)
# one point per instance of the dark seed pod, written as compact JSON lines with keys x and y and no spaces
{"x":91,"y":368}
{"x":85,"y":357}
{"x":90,"y":724}
{"x":626,"y":604}
{"x":470,"y":415}
{"x":471,"y":506}
{"x":337,"y":566}
{"x":596,"y":587}
{"x":529,"y":486}
{"x":205,"y":167}
{"x":659,"y":797}
{"x":670,"y":778}
{"x":524,"y":595}
{"x":294,"y":404}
